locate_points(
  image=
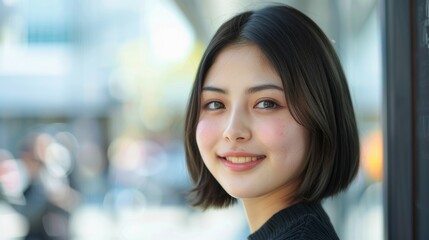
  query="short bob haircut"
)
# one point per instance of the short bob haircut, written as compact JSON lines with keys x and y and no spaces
{"x":316,"y":92}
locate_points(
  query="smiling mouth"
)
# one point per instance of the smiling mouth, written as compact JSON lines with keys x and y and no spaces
{"x":243,"y":159}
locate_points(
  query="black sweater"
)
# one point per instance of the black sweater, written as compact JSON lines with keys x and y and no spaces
{"x":300,"y":221}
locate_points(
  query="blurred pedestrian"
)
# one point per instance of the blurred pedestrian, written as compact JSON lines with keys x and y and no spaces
{"x":43,"y":207}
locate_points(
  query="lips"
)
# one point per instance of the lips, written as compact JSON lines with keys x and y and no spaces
{"x":241,"y":161}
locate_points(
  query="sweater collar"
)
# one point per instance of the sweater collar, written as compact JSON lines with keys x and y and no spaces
{"x":285,"y":219}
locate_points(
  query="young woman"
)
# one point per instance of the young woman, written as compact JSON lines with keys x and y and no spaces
{"x":270,"y":122}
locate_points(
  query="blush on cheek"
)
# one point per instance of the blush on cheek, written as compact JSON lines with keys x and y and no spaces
{"x":205,"y":133}
{"x":274,"y":134}
{"x":204,"y":127}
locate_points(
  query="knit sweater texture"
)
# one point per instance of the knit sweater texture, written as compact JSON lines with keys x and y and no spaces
{"x":300,"y":221}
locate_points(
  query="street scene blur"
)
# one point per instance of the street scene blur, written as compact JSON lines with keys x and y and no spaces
{"x":92,"y":105}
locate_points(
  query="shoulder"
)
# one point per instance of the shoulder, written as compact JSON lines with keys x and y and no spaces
{"x":309,"y":227}
{"x":303,"y":221}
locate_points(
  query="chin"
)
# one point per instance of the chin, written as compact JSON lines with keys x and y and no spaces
{"x":242,"y":193}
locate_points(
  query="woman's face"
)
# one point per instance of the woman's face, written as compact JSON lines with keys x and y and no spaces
{"x":246,"y":134}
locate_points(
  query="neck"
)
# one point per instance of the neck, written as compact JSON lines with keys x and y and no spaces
{"x":260,"y":209}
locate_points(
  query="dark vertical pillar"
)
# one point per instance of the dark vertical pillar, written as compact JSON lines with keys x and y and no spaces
{"x":398,"y":120}
{"x":421,"y":52}
{"x":406,"y":95}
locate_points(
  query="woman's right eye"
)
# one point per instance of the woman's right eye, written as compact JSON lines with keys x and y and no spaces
{"x":214,"y":105}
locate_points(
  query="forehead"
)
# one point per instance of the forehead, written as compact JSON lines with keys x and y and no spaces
{"x":243,"y":63}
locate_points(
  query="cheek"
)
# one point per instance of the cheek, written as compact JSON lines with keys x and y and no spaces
{"x":285,"y":135}
{"x":206,"y":135}
{"x":273,"y":133}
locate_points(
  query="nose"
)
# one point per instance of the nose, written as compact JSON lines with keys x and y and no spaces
{"x":237,"y":129}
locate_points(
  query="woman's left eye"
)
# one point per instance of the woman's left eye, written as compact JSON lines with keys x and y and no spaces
{"x":266,"y":104}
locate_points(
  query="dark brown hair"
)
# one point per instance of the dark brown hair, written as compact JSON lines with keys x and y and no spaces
{"x":316,"y":92}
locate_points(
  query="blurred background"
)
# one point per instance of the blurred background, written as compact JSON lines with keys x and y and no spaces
{"x":92,"y":102}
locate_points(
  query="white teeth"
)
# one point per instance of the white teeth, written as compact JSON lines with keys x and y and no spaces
{"x":241,"y":159}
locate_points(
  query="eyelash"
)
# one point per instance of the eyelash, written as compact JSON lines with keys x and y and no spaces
{"x":271,"y":102}
{"x":207,"y":106}
{"x":273,"y":105}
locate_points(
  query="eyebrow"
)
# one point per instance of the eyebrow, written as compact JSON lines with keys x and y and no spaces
{"x":264,"y":87}
{"x":214,"y":89}
{"x":249,"y":91}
